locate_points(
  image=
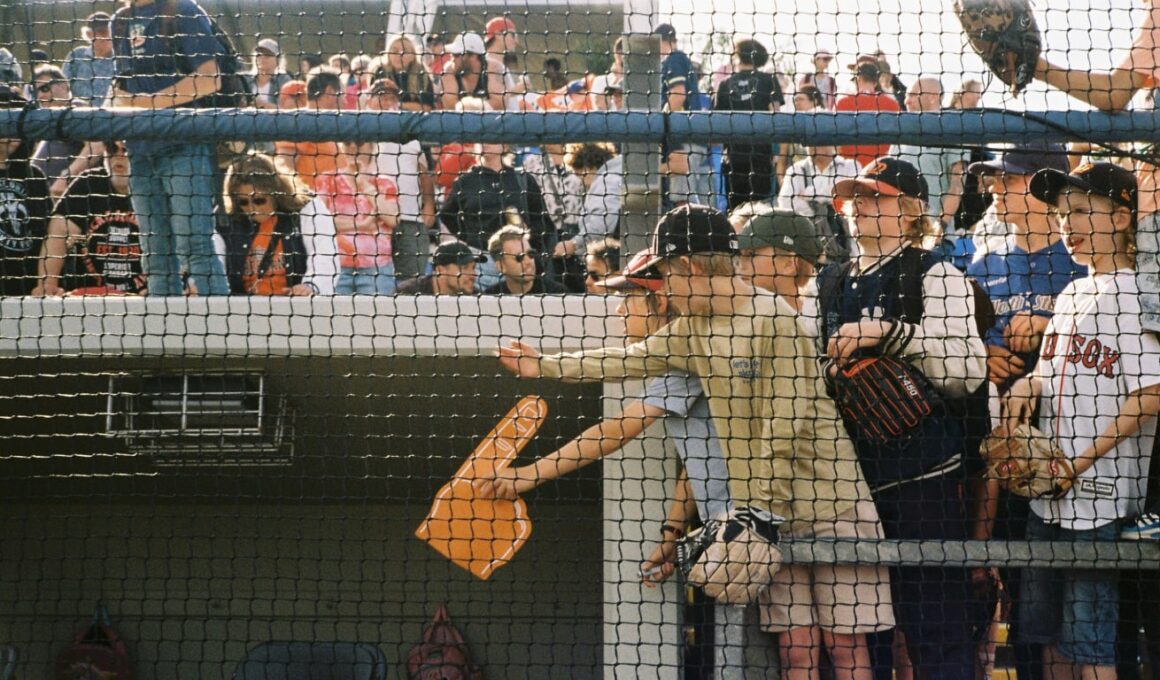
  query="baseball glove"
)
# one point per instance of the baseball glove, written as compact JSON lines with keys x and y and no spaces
{"x":1005,"y":35}
{"x":1027,"y":463}
{"x":733,"y":557}
{"x":884,"y":398}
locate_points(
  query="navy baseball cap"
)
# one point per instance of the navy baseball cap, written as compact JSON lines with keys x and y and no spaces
{"x":886,"y":176}
{"x":1024,"y":160}
{"x":666,"y":32}
{"x":1100,"y":179}
{"x":455,"y":252}
{"x":691,"y":229}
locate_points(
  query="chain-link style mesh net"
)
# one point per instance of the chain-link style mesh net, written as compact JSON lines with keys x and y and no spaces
{"x":797,"y":270}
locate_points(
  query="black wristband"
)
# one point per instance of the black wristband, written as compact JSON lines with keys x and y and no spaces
{"x":670,"y":529}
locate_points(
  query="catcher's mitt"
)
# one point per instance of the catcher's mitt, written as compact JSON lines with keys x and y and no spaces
{"x":1005,"y":35}
{"x":732,"y":557}
{"x":884,"y":398}
{"x":1027,"y":463}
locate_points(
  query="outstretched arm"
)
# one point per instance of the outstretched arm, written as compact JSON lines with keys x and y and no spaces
{"x":1107,"y":91}
{"x":603,"y":438}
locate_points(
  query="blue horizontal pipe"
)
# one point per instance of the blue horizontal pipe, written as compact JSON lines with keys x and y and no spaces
{"x":928,"y":129}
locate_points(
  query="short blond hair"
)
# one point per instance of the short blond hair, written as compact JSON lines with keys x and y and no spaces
{"x":712,"y":264}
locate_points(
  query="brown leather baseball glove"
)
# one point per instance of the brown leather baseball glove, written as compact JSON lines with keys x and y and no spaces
{"x":1005,"y":35}
{"x":1027,"y":463}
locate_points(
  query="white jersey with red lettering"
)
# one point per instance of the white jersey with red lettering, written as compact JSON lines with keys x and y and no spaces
{"x":1095,"y":354}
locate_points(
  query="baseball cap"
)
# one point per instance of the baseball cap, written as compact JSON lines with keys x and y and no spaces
{"x":887,"y":176}
{"x":1101,"y":179}
{"x":690,"y":229}
{"x":638,"y":273}
{"x":455,"y":252}
{"x":270,"y":46}
{"x":467,"y":43}
{"x":823,"y":54}
{"x":10,"y":70}
{"x":867,"y":71}
{"x":666,"y":32}
{"x":1024,"y":160}
{"x":38,"y":56}
{"x":498,"y":25}
{"x":782,"y":229}
{"x":863,"y":58}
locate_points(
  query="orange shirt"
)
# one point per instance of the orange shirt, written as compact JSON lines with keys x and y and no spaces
{"x":865,"y":153}
{"x":311,"y":159}
{"x":273,"y":280}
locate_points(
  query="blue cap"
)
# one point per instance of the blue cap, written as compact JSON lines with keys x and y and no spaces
{"x":1025,"y":160}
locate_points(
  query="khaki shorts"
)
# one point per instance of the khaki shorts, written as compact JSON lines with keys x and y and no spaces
{"x":840,"y":598}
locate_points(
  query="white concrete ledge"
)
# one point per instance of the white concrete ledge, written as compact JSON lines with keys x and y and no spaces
{"x":285,"y":326}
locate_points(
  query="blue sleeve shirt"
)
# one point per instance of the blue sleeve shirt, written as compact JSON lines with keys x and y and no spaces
{"x":148,"y":61}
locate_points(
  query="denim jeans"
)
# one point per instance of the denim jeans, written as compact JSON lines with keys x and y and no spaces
{"x":172,"y":190}
{"x":366,"y":281}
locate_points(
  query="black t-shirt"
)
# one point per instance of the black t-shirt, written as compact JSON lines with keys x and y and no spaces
{"x":541,"y":286}
{"x":24,"y":206}
{"x":109,"y":252}
{"x":749,"y":91}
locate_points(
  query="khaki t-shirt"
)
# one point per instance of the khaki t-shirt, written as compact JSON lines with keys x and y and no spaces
{"x":786,"y":447}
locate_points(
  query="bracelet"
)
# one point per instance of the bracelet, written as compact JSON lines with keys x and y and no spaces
{"x":670,"y":529}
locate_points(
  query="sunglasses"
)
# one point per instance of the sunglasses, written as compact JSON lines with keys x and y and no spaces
{"x":257,"y":201}
{"x":46,"y":87}
{"x":595,"y":275}
{"x":523,"y":256}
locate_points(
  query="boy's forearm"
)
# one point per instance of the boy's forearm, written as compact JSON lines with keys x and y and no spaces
{"x":603,"y":438}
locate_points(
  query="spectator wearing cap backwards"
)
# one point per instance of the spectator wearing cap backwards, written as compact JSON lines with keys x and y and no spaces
{"x":268,"y":74}
{"x":749,"y":168}
{"x":867,"y":97}
{"x":501,"y":39}
{"x":89,"y":67}
{"x":454,"y":272}
{"x":468,"y":75}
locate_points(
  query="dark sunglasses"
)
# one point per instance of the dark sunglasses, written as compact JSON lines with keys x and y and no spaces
{"x":595,"y":275}
{"x":523,"y":256}
{"x":246,"y":201}
{"x":46,"y":87}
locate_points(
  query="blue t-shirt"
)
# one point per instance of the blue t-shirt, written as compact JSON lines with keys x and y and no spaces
{"x":689,"y":427}
{"x":148,"y":61}
{"x":1018,"y":281}
{"x":676,"y":69}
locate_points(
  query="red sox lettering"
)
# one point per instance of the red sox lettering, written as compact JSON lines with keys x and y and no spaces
{"x":1089,"y":352}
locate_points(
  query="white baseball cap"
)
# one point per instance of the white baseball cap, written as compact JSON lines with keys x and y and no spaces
{"x":269,"y":45}
{"x":467,"y":43}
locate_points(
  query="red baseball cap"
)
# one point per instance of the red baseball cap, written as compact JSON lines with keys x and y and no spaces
{"x":497,"y":25}
{"x":294,"y":88}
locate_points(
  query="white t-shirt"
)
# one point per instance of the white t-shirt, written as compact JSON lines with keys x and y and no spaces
{"x":805,"y":187}
{"x":400,"y":164}
{"x":1093,"y":355}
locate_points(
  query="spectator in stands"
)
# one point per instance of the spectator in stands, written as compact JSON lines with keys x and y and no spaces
{"x":268,"y":75}
{"x":401,"y":64}
{"x":405,"y":165}
{"x":518,"y":264}
{"x":806,"y":99}
{"x":493,"y":194}
{"x":564,"y":197}
{"x":435,"y":60}
{"x":916,"y":482}
{"x":601,"y":260}
{"x":967,"y":95}
{"x":455,"y":158}
{"x":37,"y":57}
{"x":501,"y":39}
{"x":942,"y":168}
{"x":24,"y":209}
{"x":1100,"y":411}
{"x":525,"y":96}
{"x":888,"y":82}
{"x":455,"y":272}
{"x":554,"y":75}
{"x":613,"y":80}
{"x":311,"y":159}
{"x":602,"y":172}
{"x":867,"y":97}
{"x":1022,"y":284}
{"x":687,"y":177}
{"x":89,"y":67}
{"x":307,"y":63}
{"x":10,"y":72}
{"x":278,"y":239}
{"x":808,"y":191}
{"x":821,"y":80}
{"x":59,"y":159}
{"x":362,"y":74}
{"x":172,"y":185}
{"x":365,"y":206}
{"x":468,"y":74}
{"x":93,"y":244}
{"x":292,"y":96}
{"x":749,"y":168}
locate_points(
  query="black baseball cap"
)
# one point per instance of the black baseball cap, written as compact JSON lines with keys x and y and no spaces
{"x":455,"y":253}
{"x":782,"y":229}
{"x":691,"y":229}
{"x":1100,"y":179}
{"x":1024,"y":160}
{"x":886,"y":176}
{"x":666,"y":32}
